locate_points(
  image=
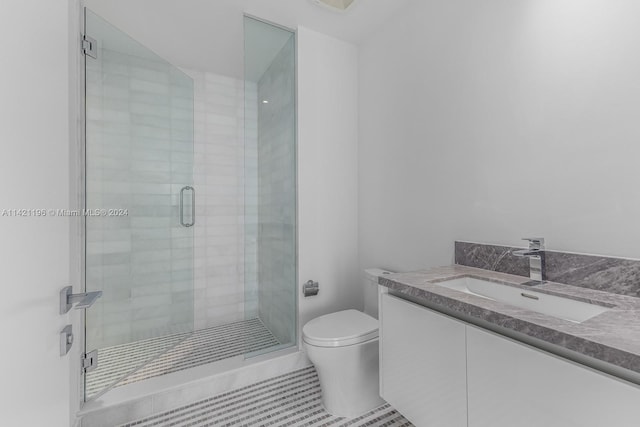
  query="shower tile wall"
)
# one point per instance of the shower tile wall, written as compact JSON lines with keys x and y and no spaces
{"x":221,"y":162}
{"x":276,"y":196}
{"x":135,"y":148}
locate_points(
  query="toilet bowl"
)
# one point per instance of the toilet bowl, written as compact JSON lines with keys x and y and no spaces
{"x":343,"y":346}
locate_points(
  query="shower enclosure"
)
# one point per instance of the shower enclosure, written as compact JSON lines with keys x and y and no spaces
{"x":190,"y":185}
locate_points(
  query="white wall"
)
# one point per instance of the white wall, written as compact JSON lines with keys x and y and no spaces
{"x":34,"y":173}
{"x":327,"y":173}
{"x":490,"y":121}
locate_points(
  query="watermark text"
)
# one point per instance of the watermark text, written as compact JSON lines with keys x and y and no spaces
{"x":64,"y":212}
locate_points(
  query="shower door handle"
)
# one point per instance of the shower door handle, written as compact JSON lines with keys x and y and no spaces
{"x":193,"y":206}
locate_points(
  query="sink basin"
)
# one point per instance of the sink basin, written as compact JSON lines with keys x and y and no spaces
{"x":551,"y":305}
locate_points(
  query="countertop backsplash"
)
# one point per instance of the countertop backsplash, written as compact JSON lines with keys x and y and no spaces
{"x":615,"y":275}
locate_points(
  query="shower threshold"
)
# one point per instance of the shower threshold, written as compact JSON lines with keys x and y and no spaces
{"x":137,"y":361}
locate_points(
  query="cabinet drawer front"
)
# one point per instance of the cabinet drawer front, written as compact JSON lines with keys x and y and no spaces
{"x":511,"y":384}
{"x":423,"y":364}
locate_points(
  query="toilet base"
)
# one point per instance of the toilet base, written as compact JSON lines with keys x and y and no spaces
{"x":349,"y":377}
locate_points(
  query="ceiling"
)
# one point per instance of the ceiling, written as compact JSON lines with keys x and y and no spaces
{"x":208,"y":34}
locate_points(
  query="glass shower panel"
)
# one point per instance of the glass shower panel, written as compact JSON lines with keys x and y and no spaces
{"x":270,"y":182}
{"x":139,"y":181}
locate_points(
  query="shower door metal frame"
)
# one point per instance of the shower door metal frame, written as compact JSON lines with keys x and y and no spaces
{"x":78,"y":155}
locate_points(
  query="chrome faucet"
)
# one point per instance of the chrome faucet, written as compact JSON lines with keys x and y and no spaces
{"x":536,"y":256}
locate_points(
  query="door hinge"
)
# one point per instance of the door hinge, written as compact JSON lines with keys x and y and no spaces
{"x":90,"y":361}
{"x":90,"y":47}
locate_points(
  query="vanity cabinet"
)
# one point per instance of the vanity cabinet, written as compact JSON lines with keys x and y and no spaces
{"x":513,"y":384}
{"x":423,"y":364}
{"x":440,"y":371}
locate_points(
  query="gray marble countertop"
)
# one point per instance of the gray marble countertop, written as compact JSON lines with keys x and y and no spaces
{"x":612,"y":337}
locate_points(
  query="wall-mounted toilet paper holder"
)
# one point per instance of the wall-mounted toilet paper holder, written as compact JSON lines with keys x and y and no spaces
{"x":310,"y":288}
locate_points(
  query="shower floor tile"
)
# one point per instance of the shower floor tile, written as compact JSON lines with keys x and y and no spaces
{"x":141,"y":360}
{"x":288,"y":400}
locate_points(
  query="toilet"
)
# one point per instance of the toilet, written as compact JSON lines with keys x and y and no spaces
{"x":343,"y":346}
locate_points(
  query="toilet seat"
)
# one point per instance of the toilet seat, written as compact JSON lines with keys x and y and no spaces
{"x":340,"y":329}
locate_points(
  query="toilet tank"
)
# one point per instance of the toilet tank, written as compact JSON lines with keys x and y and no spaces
{"x":370,"y":289}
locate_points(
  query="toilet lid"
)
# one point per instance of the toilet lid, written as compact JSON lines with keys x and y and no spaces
{"x":341,"y":328}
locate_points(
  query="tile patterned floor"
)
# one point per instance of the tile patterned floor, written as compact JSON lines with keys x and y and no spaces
{"x":288,"y":400}
{"x":137,"y":361}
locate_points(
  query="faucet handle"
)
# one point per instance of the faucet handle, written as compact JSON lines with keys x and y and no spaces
{"x":535,"y":242}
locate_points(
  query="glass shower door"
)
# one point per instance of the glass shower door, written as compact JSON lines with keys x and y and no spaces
{"x":140,"y":205}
